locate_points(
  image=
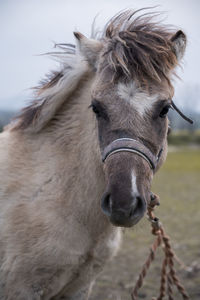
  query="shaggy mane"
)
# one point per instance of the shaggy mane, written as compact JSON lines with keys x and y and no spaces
{"x":50,"y":86}
{"x":140,"y":48}
{"x":135,"y":48}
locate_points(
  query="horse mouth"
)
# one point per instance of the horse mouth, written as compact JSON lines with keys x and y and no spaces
{"x":124,"y":222}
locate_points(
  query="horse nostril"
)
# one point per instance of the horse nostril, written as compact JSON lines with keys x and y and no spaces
{"x":106,"y":204}
{"x":139,"y":206}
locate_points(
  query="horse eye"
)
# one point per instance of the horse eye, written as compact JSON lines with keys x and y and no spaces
{"x":99,"y":110}
{"x":95,"y":110}
{"x":164,"y":111}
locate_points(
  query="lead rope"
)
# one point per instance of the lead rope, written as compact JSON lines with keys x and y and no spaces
{"x":168,"y":273}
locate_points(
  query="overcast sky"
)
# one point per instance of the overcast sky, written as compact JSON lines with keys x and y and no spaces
{"x":29,"y":27}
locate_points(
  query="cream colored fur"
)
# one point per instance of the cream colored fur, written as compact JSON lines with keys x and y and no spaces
{"x":54,"y":238}
{"x":141,"y":101}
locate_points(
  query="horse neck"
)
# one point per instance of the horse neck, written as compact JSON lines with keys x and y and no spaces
{"x":73,"y":134}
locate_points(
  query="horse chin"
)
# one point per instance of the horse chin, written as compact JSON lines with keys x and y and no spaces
{"x":127,"y":223}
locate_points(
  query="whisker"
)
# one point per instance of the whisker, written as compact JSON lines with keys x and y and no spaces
{"x":181,"y":114}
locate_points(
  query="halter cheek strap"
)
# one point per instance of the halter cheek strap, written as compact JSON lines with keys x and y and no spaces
{"x":133,"y":146}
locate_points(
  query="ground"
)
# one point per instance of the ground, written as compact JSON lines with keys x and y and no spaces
{"x":178,"y":185}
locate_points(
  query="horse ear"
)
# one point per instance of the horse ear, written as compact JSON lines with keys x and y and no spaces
{"x":179,"y":44}
{"x":89,"y":48}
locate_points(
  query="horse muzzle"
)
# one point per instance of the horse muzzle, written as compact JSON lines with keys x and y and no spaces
{"x":125,"y":216}
{"x":127,"y":161}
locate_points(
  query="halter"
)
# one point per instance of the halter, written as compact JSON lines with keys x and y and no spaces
{"x":133,"y":146}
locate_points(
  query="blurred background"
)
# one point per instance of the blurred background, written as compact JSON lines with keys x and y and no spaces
{"x":30,"y":28}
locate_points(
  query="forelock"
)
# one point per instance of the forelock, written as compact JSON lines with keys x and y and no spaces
{"x":139,"y":48}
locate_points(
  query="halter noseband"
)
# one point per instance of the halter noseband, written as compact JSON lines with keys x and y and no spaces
{"x":133,"y":146}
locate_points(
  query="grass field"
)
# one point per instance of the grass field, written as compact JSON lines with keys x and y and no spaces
{"x":178,"y":185}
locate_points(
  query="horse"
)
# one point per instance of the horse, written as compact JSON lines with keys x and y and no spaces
{"x":78,"y":162}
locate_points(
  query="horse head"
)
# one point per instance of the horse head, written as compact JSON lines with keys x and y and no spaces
{"x":131,"y":96}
